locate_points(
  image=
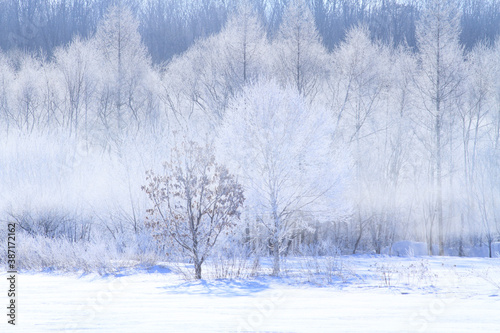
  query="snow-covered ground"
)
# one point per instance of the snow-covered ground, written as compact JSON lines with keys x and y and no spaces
{"x":366,"y":294}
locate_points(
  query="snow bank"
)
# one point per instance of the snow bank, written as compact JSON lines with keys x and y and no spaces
{"x":406,"y":249}
{"x":483,"y":250}
{"x":410,"y":249}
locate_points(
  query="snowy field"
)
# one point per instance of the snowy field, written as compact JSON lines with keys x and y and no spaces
{"x":364,"y":294}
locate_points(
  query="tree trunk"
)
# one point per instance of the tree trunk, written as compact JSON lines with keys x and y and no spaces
{"x":439,"y":178}
{"x":360,"y":235}
{"x":490,"y":241}
{"x":276,"y":238}
{"x":197,"y":270}
{"x":276,"y":253}
{"x":429,"y":245}
{"x":461,"y":241}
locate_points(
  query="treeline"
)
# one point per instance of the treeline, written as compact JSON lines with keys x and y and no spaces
{"x":169,"y":27}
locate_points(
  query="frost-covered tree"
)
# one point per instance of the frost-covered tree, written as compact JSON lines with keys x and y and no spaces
{"x":52,"y":110}
{"x":245,"y":46}
{"x":300,"y":56}
{"x":494,"y":135}
{"x":282,"y":152}
{"x":6,"y":80}
{"x":481,"y":128}
{"x":391,"y":149}
{"x":77,"y":69}
{"x":360,"y":74}
{"x":359,"y":79}
{"x":193,"y":91}
{"x":28,"y":94}
{"x":199,"y":84}
{"x":125,"y":66}
{"x":441,"y":62}
{"x":473,"y":107}
{"x":487,"y":199}
{"x":194,"y":201}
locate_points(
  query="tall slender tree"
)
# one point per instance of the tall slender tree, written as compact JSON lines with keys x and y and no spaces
{"x":441,"y":60}
{"x":245,"y":45}
{"x":357,"y":87}
{"x":126,"y":63}
{"x":301,"y":59}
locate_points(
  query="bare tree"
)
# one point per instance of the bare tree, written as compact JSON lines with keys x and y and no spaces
{"x":194,"y":201}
